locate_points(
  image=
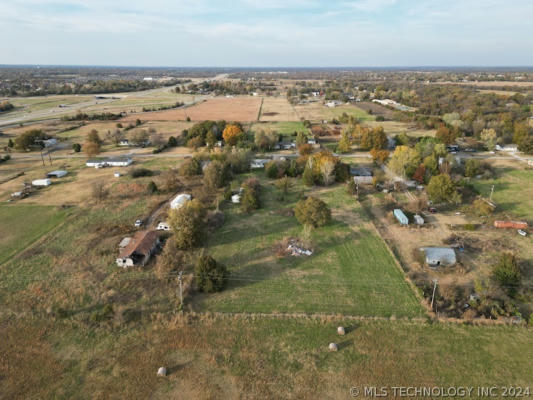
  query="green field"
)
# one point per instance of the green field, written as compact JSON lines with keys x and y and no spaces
{"x":351,"y":271}
{"x":513,"y":191}
{"x":284,"y":128}
{"x":21,"y":225}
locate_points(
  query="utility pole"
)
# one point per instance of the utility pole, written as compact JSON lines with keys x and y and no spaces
{"x":435,"y":281}
{"x":491,"y":192}
{"x":180,"y":275}
{"x":42,"y":158}
{"x":50,"y":158}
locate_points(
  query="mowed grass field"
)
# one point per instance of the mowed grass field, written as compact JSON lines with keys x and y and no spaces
{"x":318,"y":112}
{"x":21,"y":225}
{"x":232,"y":358}
{"x":513,"y":191}
{"x":287,"y":128}
{"x":351,"y":271}
{"x":277,"y":109}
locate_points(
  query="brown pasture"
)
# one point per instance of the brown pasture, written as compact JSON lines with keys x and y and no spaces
{"x":277,"y":109}
{"x":242,"y":109}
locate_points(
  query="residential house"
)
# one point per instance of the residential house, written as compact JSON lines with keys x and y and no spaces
{"x":361,"y":175}
{"x":258,"y":163}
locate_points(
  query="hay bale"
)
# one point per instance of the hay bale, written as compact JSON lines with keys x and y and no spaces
{"x":333,"y":347}
{"x":162,"y":371}
{"x":341,"y":331}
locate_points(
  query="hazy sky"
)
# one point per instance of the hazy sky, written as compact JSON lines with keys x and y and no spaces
{"x":267,"y":33}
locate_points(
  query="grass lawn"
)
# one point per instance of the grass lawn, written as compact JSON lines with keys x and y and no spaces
{"x":350,"y":272}
{"x":513,"y":191}
{"x":24,"y":224}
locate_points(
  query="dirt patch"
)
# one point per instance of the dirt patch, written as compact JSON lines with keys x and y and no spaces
{"x":243,"y":109}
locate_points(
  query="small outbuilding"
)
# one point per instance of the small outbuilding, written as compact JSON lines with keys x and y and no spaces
{"x":180,"y":200}
{"x":41,"y":182}
{"x":361,"y":175}
{"x":56,"y":174}
{"x":439,"y":256}
{"x":401,"y":217}
{"x":419,"y":220}
{"x":139,"y":249}
{"x":236,"y":198}
{"x":258,"y":163}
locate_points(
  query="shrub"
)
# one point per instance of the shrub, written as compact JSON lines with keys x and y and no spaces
{"x":351,"y":187}
{"x":172,"y":142}
{"x":507,"y":273}
{"x":482,"y":208}
{"x":152,"y":188}
{"x":99,"y":191}
{"x":76,"y":147}
{"x":441,"y":189}
{"x":313,"y":212}
{"x":140,"y":172}
{"x":210,"y":275}
{"x":271,"y":170}
{"x":170,"y":260}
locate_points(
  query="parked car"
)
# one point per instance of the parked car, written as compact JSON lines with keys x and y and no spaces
{"x":163,"y":226}
{"x":432,"y":210}
{"x":138,"y":223}
{"x":522,"y":233}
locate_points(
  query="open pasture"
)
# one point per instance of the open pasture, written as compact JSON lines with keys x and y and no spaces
{"x":277,"y":109}
{"x":318,"y":111}
{"x":242,"y":109}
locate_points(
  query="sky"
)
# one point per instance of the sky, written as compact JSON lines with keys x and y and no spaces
{"x":263,"y":33}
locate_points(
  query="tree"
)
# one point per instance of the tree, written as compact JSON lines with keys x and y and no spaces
{"x":482,"y":208}
{"x":308,"y":175}
{"x":210,"y":139}
{"x":379,"y":156}
{"x":327,"y":169}
{"x":171,"y":181}
{"x":420,"y":174}
{"x":10,"y":143}
{"x":99,"y":191}
{"x":210,"y":275}
{"x":232,"y":134}
{"x":284,"y":185}
{"x":172,"y":142}
{"x":445,"y":135}
{"x":472,"y":167}
{"x":313,"y":212}
{"x":191,"y":167}
{"x":521,"y":132}
{"x":305,"y":149}
{"x":271,"y":169}
{"x":507,"y":273}
{"x":526,"y":145}
{"x":140,"y":137}
{"x":216,"y":174}
{"x":301,"y":138}
{"x":27,"y":139}
{"x":188,"y":225}
{"x":250,"y":196}
{"x":93,"y":137}
{"x":76,"y":147}
{"x":345,"y":143}
{"x":404,"y":161}
{"x":441,"y":189}
{"x":488,"y":136}
{"x":373,"y":139}
{"x":91,"y":148}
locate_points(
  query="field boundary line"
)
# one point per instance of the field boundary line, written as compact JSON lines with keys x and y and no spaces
{"x":260,"y":110}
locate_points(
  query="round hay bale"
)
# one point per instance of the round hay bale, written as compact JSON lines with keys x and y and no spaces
{"x":162,"y":371}
{"x":341,"y":331}
{"x":333,"y":347}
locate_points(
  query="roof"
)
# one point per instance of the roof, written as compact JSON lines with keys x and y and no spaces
{"x":59,"y":173}
{"x":141,"y":243}
{"x":180,"y":200}
{"x":360,"y":171}
{"x":439,"y":255}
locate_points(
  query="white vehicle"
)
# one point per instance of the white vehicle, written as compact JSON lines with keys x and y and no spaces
{"x":522,"y":233}
{"x":138,"y":223}
{"x":163,"y":226}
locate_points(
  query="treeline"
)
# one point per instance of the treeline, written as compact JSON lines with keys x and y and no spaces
{"x":80,"y":116}
{"x":178,"y":104}
{"x":230,"y":87}
{"x":42,"y":87}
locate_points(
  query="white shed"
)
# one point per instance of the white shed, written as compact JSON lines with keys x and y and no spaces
{"x":56,"y":174}
{"x":419,"y":220}
{"x":41,"y":182}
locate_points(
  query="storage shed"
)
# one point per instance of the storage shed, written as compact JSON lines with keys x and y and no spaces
{"x":439,"y":256}
{"x":41,"y":182}
{"x":401,"y":217}
{"x":56,"y":174}
{"x":419,"y":220}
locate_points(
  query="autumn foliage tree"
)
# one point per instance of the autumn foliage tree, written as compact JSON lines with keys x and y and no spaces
{"x":445,"y":134}
{"x":420,"y":174}
{"x":379,"y":156}
{"x":232,"y":134}
{"x":313,"y":212}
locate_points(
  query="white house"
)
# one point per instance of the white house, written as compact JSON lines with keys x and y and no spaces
{"x":41,"y":182}
{"x":109,"y":162}
{"x":508,"y":148}
{"x":180,"y":200}
{"x":333,"y":103}
{"x":124,"y":142}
